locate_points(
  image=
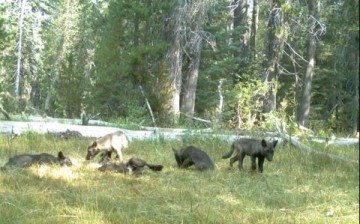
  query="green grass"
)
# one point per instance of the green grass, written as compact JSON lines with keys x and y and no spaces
{"x":297,"y":187}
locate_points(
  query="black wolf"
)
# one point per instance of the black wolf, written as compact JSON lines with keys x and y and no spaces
{"x":114,"y":142}
{"x":134,"y":165}
{"x":191,"y":155}
{"x":26,"y":160}
{"x":254,"y":148}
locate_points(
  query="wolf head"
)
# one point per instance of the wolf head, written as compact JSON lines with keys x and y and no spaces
{"x":268,"y":149}
{"x":92,"y":150}
{"x":178,"y":156}
{"x":64,"y":160}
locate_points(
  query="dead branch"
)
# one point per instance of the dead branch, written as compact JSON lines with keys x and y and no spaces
{"x":4,"y":112}
{"x":294,"y":141}
{"x":148,"y":105}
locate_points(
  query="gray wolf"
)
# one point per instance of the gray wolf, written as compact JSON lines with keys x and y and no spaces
{"x":134,"y":165}
{"x":190,"y":155}
{"x":26,"y":160}
{"x":113,"y":142}
{"x":254,"y":148}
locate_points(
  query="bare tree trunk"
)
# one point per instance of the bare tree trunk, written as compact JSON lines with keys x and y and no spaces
{"x":275,"y":46}
{"x":196,"y":17}
{"x":51,"y":81}
{"x":243,"y":38}
{"x":189,"y":19}
{"x":304,"y":104}
{"x":356,"y":73}
{"x":356,"y":95}
{"x":18,"y":66}
{"x":188,"y":102}
{"x":175,"y":59}
{"x":354,"y":68}
{"x":254,"y":21}
{"x":241,"y":19}
{"x":221,"y":101}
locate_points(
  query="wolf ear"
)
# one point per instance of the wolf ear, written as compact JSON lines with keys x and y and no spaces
{"x":61,"y":155}
{"x":263,"y":143}
{"x":94,"y":144}
{"x":275,"y":142}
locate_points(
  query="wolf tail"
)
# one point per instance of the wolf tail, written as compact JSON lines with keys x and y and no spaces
{"x":155,"y":167}
{"x":139,"y":163}
{"x":229,"y":153}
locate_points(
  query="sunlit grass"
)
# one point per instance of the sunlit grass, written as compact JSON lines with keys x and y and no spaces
{"x":297,"y":187}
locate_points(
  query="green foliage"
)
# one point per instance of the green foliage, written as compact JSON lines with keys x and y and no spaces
{"x":246,"y":100}
{"x":136,"y":60}
{"x":94,"y":55}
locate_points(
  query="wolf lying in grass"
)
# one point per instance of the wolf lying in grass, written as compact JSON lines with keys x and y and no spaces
{"x":26,"y":160}
{"x":134,"y":165}
{"x":259,"y":149}
{"x":113,"y":142}
{"x":191,"y":155}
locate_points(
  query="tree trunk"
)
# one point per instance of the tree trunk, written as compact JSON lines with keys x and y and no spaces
{"x":189,"y":96}
{"x":18,"y":66}
{"x":196,"y":18}
{"x":243,"y":36}
{"x":254,"y":20}
{"x":353,"y":68}
{"x":51,"y":82}
{"x":241,"y":20}
{"x":304,"y":104}
{"x":173,"y":100}
{"x":355,"y":41}
{"x":188,"y":24}
{"x":274,"y":48}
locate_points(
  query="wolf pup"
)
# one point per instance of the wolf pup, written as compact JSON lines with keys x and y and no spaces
{"x":114,"y":142}
{"x":26,"y":160}
{"x":191,"y":155}
{"x":259,"y":149}
{"x":135,"y":165}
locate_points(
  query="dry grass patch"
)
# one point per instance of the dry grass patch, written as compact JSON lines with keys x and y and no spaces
{"x":297,"y":187}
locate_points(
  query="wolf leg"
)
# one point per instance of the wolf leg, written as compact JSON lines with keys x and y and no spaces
{"x":186,"y":163}
{"x":241,"y":159}
{"x":119,"y":155}
{"x":261,"y":164}
{"x":233,"y":160}
{"x":105,"y":156}
{"x":253,"y":162}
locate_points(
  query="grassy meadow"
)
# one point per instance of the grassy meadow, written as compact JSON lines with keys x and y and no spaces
{"x":296,"y":187}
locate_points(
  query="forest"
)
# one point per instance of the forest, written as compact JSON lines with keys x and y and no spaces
{"x":228,"y":64}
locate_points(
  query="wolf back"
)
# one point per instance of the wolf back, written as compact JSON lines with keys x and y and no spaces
{"x":26,"y":160}
{"x":190,"y":155}
{"x":260,"y":149}
{"x":113,"y":142}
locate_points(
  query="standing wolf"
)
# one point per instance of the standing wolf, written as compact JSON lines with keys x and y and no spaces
{"x":191,"y":155}
{"x":260,"y":149}
{"x":25,"y":160}
{"x":113,"y":142}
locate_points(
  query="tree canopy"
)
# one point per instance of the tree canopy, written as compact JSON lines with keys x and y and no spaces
{"x":234,"y":63}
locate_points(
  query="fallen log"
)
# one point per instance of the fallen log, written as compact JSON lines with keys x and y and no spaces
{"x":294,"y":141}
